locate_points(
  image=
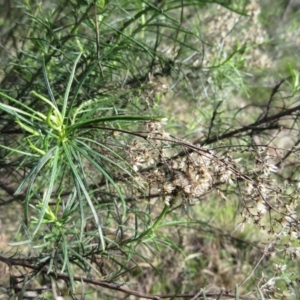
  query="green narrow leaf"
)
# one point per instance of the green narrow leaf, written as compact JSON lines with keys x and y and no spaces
{"x":49,"y":190}
{"x":19,"y":151}
{"x":78,"y":87}
{"x":64,"y":246}
{"x":21,"y":243}
{"x":30,"y":178}
{"x":103,"y":157}
{"x":85,"y":261}
{"x":19,"y":113}
{"x":51,"y":262}
{"x":34,"y":171}
{"x":134,"y":41}
{"x":85,"y":192}
{"x":106,"y":175}
{"x":47,"y":82}
{"x":80,"y":198}
{"x":112,"y":119}
{"x":10,"y":109}
{"x":169,"y":242}
{"x":71,"y":206}
{"x":51,"y":105}
{"x":67,"y":264}
{"x":67,"y":92}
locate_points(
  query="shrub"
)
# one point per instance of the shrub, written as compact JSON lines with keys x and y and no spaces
{"x":132,"y":151}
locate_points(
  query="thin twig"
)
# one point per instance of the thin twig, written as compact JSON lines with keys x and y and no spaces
{"x":111,"y":286}
{"x":98,"y":40}
{"x":266,"y":252}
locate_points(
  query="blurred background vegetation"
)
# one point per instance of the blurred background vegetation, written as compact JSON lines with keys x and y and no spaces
{"x":226,"y":76}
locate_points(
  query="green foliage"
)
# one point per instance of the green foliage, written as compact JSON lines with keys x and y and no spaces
{"x":107,"y":196}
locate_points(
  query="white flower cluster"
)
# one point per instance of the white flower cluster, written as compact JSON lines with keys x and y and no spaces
{"x":193,"y":176}
{"x":189,"y":175}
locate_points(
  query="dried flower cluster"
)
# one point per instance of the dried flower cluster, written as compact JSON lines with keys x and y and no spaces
{"x":176,"y":170}
{"x":232,"y":29}
{"x":223,"y":31}
{"x":191,"y":174}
